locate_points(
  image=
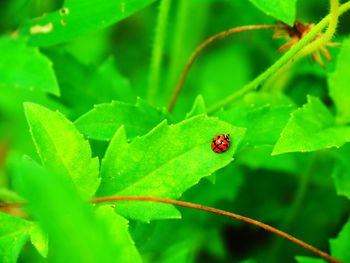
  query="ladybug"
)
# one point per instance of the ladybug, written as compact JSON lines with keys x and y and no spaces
{"x":221,"y":143}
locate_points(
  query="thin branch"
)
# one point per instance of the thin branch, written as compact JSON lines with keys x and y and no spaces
{"x":223,"y":213}
{"x":199,"y":50}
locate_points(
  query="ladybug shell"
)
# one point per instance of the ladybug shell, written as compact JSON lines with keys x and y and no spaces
{"x":221,"y":143}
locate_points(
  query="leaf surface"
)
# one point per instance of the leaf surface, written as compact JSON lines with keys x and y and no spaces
{"x":73,"y":227}
{"x":25,"y":67}
{"x":263,"y":124}
{"x":102,"y":122}
{"x":340,"y":247}
{"x":62,"y":148}
{"x":310,"y":128}
{"x":163,"y":163}
{"x":14,"y":233}
{"x":339,"y":83}
{"x":283,"y":10}
{"x":78,"y":17}
{"x":197,"y":108}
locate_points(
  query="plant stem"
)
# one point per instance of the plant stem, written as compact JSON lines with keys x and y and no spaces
{"x":327,"y":36}
{"x":285,"y":58}
{"x":219,"y":212}
{"x":157,"y":51}
{"x":203,"y":208}
{"x":177,"y":49}
{"x":199,"y":50}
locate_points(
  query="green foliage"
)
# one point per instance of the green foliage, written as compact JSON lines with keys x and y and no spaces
{"x":183,"y":157}
{"x":84,"y":235}
{"x":340,"y":245}
{"x":311,"y":127}
{"x":62,"y":149}
{"x":103,"y":121}
{"x":76,"y":17}
{"x":14,"y":234}
{"x":339,"y":84}
{"x":34,"y":69}
{"x":284,"y":10}
{"x":91,"y":79}
{"x":264,"y":122}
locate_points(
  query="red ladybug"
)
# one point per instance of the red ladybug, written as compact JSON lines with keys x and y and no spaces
{"x":221,"y":143}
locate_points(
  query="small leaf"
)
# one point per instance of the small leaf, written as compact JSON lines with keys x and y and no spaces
{"x":264,"y":124}
{"x":339,"y":83}
{"x":340,"y":246}
{"x":341,"y":171}
{"x":77,"y":17}
{"x":70,"y":222}
{"x":13,"y":236}
{"x":163,"y":163}
{"x":62,"y":149}
{"x":83,"y":86}
{"x":119,"y":234}
{"x":102,"y":122}
{"x":197,"y":108}
{"x":110,"y":84}
{"x":39,"y":240}
{"x":311,"y":128}
{"x":25,"y":68}
{"x":14,"y":233}
{"x":303,"y":259}
{"x":283,"y":10}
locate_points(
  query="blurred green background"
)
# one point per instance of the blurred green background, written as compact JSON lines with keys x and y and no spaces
{"x":293,"y":192}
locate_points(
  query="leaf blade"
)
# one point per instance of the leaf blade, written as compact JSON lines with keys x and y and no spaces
{"x":62,"y":148}
{"x":25,"y":67}
{"x":102,"y":122}
{"x":78,"y":17}
{"x":338,"y":83}
{"x":311,"y":128}
{"x":132,"y":169}
{"x":283,"y":10}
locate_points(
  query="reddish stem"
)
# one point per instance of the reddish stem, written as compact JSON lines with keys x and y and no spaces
{"x":219,"y":212}
{"x":199,"y":50}
{"x":203,"y":208}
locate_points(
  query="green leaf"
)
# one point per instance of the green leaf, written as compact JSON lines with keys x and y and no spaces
{"x":62,"y":148}
{"x":73,"y":227}
{"x":78,"y":17}
{"x":283,"y":10}
{"x":311,"y":128}
{"x":197,"y":108}
{"x":163,"y":163}
{"x":109,"y":82}
{"x":339,"y":83}
{"x":341,"y":171}
{"x":119,"y":234}
{"x":264,"y":124}
{"x":13,"y":236}
{"x":102,"y":122}
{"x":25,"y":68}
{"x":340,"y":246}
{"x":83,"y":86}
{"x":302,"y":259}
{"x":14,"y":233}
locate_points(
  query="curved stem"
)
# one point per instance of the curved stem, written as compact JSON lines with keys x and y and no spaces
{"x":327,"y":36}
{"x":157,"y":51}
{"x":199,"y":50}
{"x":289,"y":55}
{"x":219,"y":212}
